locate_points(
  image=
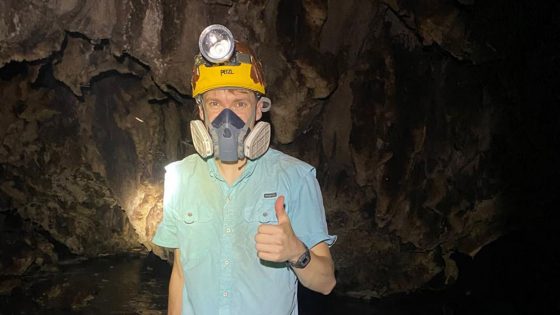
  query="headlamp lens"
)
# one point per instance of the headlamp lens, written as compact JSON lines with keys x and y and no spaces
{"x":216,"y":43}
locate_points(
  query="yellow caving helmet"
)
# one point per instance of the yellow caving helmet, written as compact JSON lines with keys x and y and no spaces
{"x":241,"y":69}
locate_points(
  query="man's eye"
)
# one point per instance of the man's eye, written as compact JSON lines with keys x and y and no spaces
{"x":241,"y":105}
{"x":212,"y":104}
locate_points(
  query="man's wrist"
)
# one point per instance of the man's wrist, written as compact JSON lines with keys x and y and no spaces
{"x":302,"y":259}
{"x":301,"y":250}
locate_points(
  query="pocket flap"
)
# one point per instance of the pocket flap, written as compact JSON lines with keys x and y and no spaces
{"x":262,"y":212}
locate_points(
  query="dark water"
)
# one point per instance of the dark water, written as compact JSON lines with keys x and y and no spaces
{"x":107,"y":285}
{"x":518,"y":274}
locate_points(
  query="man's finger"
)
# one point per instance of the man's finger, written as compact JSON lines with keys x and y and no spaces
{"x":268,"y":229}
{"x":274,"y":257}
{"x":280,"y":210}
{"x":261,"y":238}
{"x":267,"y":248}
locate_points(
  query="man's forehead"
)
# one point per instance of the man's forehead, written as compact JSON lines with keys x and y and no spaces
{"x":234,"y":91}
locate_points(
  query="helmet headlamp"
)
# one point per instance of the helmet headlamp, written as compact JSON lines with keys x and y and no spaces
{"x":216,"y":43}
{"x":225,"y":63}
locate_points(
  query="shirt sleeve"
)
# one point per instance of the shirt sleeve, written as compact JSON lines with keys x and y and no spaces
{"x":166,"y":233}
{"x":307,"y":213}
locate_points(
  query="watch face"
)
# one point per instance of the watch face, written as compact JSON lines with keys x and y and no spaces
{"x":303,"y":260}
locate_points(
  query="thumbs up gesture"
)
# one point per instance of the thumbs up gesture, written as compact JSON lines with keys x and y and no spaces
{"x":278,"y":242}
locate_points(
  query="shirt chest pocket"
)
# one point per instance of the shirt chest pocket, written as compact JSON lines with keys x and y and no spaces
{"x":195,"y":235}
{"x":195,"y":215}
{"x":262,"y":212}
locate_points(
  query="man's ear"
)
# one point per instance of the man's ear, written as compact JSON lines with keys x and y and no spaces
{"x":258,"y":113}
{"x":200,"y":112}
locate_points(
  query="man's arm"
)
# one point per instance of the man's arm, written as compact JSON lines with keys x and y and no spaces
{"x":278,"y":243}
{"x":318,"y":275}
{"x":176,"y":283}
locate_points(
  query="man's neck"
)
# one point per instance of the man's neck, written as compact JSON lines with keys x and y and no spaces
{"x":231,"y":171}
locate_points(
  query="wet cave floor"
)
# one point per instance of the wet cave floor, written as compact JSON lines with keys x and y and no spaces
{"x":518,"y":274}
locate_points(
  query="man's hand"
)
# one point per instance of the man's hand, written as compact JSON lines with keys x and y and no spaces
{"x":277,"y":242}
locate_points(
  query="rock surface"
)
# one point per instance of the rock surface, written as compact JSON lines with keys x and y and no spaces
{"x":409,"y":110}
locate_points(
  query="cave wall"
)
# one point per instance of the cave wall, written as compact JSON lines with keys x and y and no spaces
{"x":408,"y":110}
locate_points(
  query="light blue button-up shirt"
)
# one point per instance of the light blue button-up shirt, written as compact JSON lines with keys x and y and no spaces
{"x":214,"y":226}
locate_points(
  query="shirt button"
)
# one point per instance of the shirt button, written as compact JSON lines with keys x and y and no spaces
{"x":226,"y":262}
{"x":189,"y":214}
{"x":226,"y":293}
{"x":228,"y":230}
{"x":265,"y":214}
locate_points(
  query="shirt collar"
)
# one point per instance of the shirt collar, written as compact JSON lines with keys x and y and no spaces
{"x":215,"y":173}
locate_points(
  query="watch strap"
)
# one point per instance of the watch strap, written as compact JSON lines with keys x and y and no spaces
{"x":303,"y":260}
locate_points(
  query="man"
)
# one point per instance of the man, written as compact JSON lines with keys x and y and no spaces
{"x":246,"y":222}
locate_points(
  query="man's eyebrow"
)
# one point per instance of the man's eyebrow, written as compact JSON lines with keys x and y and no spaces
{"x":237,"y":99}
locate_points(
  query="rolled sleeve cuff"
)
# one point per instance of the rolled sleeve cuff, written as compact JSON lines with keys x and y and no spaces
{"x":165,"y":238}
{"x":310,"y":240}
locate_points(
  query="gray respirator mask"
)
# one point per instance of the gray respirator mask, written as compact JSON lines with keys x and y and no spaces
{"x":229,"y":139}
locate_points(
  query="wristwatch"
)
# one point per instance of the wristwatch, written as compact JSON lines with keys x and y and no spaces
{"x":303,"y":260}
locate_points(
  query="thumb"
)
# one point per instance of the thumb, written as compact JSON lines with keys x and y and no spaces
{"x":280,"y":210}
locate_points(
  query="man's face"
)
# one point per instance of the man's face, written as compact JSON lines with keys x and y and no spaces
{"x":241,"y":101}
